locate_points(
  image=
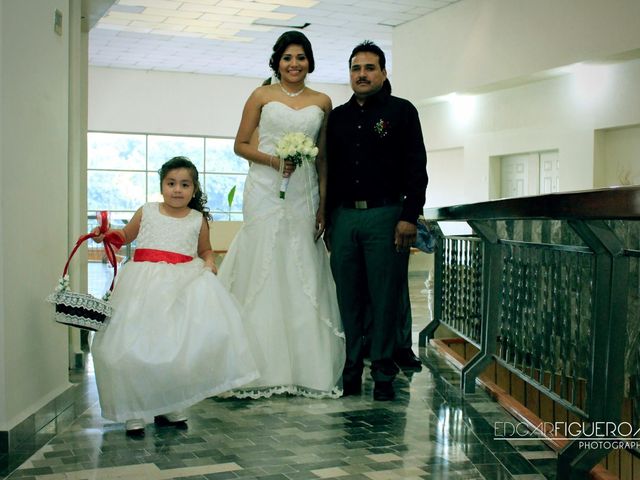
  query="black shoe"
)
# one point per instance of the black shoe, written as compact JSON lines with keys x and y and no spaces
{"x":135,"y":433}
{"x":173,"y":419}
{"x":134,"y":427}
{"x":383,"y":391}
{"x":405,"y":358}
{"x":352,"y":388}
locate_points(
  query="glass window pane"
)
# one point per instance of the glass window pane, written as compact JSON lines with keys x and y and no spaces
{"x":217,"y":188}
{"x":153,"y":187}
{"x":220,"y":157}
{"x":115,"y":151}
{"x":163,"y":148}
{"x":120,"y":219}
{"x":115,"y":190}
{"x":125,"y":191}
{"x":223,"y":217}
{"x":116,"y":219}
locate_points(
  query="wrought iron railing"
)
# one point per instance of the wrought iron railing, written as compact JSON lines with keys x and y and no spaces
{"x":549,"y":288}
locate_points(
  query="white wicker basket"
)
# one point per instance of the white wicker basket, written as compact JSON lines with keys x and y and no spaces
{"x":83,"y":310}
{"x":80,"y":310}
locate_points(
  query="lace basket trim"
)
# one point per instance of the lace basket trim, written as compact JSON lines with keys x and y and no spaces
{"x":80,"y":309}
{"x":81,"y":300}
{"x":80,"y":322}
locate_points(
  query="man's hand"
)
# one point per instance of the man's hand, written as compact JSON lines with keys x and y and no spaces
{"x":327,"y":238}
{"x":320,"y":224}
{"x":406,"y":233}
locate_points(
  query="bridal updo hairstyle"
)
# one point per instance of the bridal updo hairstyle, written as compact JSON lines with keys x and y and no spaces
{"x":291,"y":37}
{"x":199,"y":200}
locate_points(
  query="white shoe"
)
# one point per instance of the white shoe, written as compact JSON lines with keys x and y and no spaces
{"x":172,"y":417}
{"x":134,"y":426}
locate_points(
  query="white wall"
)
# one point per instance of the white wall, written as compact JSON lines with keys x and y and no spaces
{"x":475,"y":43}
{"x":3,"y":364}
{"x":33,"y":203}
{"x":487,"y":42}
{"x":77,"y":158}
{"x":136,"y":101}
{"x":619,"y":157}
{"x":442,"y":185}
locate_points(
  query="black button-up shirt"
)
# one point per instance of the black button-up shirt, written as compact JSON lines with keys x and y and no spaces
{"x":376,"y":151}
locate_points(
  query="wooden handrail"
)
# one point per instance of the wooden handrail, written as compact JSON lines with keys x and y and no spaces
{"x":606,"y":203}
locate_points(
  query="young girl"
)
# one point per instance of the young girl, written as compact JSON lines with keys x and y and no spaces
{"x":176,"y":336}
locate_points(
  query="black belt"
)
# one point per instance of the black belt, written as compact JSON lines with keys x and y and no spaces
{"x":374,"y":203}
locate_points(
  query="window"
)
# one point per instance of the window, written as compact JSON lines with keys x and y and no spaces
{"x":122,"y":172}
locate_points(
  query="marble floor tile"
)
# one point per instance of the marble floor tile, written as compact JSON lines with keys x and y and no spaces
{"x":429,"y":431}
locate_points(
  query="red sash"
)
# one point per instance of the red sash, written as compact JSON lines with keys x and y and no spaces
{"x":151,"y":255}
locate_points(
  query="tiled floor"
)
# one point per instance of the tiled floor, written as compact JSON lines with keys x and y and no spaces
{"x":429,"y":431}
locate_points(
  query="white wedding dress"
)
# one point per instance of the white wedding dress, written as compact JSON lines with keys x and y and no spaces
{"x":281,"y":276}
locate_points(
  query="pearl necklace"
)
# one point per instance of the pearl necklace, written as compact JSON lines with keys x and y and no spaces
{"x":292,"y":94}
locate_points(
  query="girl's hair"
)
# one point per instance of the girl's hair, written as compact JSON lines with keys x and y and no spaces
{"x":291,"y":37}
{"x":199,"y":200}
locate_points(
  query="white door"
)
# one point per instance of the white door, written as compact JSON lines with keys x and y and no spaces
{"x":549,"y":172}
{"x":529,"y":174}
{"x":516,"y":175}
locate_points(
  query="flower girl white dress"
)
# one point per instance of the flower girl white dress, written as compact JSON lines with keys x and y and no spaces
{"x":176,"y":336}
{"x":281,"y":276}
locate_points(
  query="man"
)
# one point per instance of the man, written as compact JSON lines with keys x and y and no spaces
{"x":376,"y":190}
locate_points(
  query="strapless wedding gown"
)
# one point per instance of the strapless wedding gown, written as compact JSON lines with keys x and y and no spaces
{"x":281,"y":277}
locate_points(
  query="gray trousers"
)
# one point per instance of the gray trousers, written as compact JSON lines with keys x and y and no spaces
{"x":367,"y":268}
{"x":404,"y":323}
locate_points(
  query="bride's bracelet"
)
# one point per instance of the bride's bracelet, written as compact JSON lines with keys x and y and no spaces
{"x":280,"y":163}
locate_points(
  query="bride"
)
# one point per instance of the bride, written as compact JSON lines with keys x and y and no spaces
{"x":276,"y":268}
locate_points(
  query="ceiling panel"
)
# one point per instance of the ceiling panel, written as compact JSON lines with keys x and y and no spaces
{"x":235,"y":37}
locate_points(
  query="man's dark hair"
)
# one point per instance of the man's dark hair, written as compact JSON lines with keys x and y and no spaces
{"x":369,"y":46}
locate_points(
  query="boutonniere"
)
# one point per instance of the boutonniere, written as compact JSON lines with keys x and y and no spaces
{"x":382,"y":128}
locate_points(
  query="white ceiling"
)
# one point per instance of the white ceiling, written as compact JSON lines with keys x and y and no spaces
{"x":235,"y":37}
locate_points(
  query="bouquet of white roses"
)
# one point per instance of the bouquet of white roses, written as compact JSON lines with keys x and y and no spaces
{"x":295,"y":147}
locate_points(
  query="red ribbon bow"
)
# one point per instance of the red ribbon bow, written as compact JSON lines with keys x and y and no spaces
{"x":112,"y":243}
